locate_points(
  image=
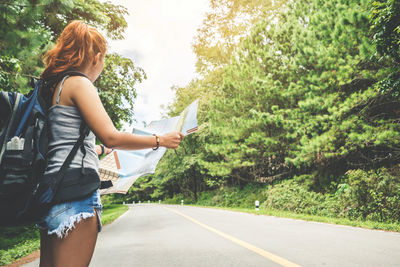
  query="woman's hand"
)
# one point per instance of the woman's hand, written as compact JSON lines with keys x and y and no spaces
{"x":100,"y":152}
{"x":171,"y":140}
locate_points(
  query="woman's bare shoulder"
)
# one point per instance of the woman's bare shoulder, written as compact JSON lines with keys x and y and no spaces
{"x":74,"y":87}
{"x":79,"y":82}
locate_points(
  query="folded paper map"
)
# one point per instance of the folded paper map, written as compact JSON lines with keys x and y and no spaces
{"x":124,"y":167}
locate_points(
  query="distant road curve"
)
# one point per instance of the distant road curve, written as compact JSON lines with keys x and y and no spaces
{"x":169,"y":235}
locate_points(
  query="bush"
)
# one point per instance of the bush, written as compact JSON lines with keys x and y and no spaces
{"x":367,"y":195}
{"x":291,"y":195}
{"x":376,"y":194}
{"x":235,"y":197}
{"x":206,"y":198}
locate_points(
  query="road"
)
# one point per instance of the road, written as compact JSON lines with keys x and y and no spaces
{"x":167,"y":235}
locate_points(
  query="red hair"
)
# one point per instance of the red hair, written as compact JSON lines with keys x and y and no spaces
{"x":76,"y":46}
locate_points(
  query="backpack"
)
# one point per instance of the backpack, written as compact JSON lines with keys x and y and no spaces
{"x":25,"y":193}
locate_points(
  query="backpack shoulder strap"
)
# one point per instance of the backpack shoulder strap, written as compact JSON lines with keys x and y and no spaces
{"x":74,"y":73}
{"x":53,"y":80}
{"x":84,"y":131}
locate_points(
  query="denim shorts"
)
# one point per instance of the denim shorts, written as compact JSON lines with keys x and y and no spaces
{"x":62,"y":217}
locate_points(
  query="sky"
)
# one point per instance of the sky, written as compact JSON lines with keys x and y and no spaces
{"x":159,"y":39}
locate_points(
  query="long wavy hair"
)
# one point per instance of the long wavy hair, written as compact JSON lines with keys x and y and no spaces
{"x":76,"y":46}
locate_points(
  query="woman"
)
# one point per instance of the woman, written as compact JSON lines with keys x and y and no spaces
{"x":69,"y":230}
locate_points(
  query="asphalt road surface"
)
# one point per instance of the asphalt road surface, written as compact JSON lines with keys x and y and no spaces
{"x":166,"y":235}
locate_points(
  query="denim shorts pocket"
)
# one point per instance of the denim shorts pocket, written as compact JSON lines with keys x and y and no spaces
{"x":60,"y":208}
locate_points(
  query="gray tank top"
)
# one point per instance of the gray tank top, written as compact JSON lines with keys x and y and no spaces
{"x":64,"y":124}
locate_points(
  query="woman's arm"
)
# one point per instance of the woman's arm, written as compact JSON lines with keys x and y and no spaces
{"x":84,"y":96}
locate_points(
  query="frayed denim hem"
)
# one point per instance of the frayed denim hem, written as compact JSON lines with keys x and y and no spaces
{"x":63,"y":229}
{"x":63,"y":217}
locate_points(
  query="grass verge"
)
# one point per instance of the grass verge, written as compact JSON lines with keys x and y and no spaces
{"x":17,"y":242}
{"x":111,"y":212}
{"x":307,"y":217}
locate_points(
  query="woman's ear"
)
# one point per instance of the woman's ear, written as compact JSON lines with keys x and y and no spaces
{"x":96,"y":58}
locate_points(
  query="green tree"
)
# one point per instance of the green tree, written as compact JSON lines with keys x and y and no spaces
{"x":385,"y":27}
{"x":116,"y":86}
{"x":299,"y":98}
{"x":29,"y":28}
{"x":225,"y":27}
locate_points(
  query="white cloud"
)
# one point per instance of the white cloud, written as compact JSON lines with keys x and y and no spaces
{"x":158,"y":39}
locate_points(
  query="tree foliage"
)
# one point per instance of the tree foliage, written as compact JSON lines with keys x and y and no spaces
{"x":116,"y":87}
{"x":385,"y":24}
{"x":385,"y":27}
{"x":29,"y":28}
{"x":225,"y":26}
{"x":300,"y":97}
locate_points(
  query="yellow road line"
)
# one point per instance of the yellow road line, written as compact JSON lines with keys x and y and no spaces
{"x":264,"y":253}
